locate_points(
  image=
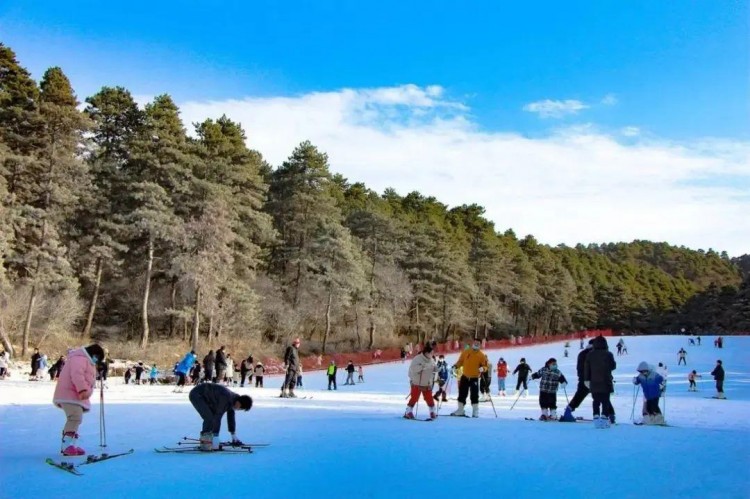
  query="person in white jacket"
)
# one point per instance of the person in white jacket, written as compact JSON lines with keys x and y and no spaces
{"x":229,"y":376}
{"x":421,"y":377}
{"x":4,"y":363}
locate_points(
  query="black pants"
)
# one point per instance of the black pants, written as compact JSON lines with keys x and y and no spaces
{"x":464,"y":386}
{"x":180,"y":379}
{"x":720,"y":385}
{"x":484,"y":384}
{"x":602,"y":404}
{"x":243,"y":375}
{"x":331,"y":381}
{"x":581,"y":393}
{"x":652,"y":406}
{"x":211,"y":420}
{"x":547,"y":400}
{"x":259,"y":381}
{"x":682,"y":361}
{"x":522,"y":381}
{"x":290,"y":380}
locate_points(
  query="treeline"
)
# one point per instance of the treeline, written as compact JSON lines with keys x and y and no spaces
{"x":117,"y":223}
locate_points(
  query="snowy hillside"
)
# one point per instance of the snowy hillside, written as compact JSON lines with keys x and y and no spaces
{"x":353,"y":443}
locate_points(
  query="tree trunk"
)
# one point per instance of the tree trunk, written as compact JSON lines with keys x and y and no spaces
{"x":196,"y":318}
{"x":94,"y":297}
{"x":328,"y":321}
{"x":146,"y":291}
{"x":211,"y":329}
{"x":356,"y":327}
{"x":173,"y":306}
{"x":27,"y":323}
{"x":4,"y":339}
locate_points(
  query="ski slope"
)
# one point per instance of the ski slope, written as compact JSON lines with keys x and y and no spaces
{"x":352,"y":442}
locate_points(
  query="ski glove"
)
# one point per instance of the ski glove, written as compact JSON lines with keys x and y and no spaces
{"x":635,"y":380}
{"x":481,"y":369}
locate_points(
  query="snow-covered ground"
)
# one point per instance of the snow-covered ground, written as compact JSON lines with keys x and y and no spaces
{"x":353,"y":443}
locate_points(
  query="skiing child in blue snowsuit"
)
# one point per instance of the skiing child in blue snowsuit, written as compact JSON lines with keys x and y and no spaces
{"x":153,"y":374}
{"x":550,"y":378}
{"x":442,"y":379}
{"x":651,"y":382}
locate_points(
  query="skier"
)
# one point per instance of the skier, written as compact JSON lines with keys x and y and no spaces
{"x":565,"y":353}
{"x":442,"y":379}
{"x":259,"y":370}
{"x":212,"y":402}
{"x":473,"y":362}
{"x":581,"y":390}
{"x":691,"y":379}
{"x":624,"y":348}
{"x":4,"y":363}
{"x":73,"y":391}
{"x":698,"y":338}
{"x":502,"y":373}
{"x":42,"y":366}
{"x":523,"y":370}
{"x":209,"y":363}
{"x":152,"y":375}
{"x":682,"y":353}
{"x":128,"y":375}
{"x":246,"y":367}
{"x":183,"y":368}
{"x":331,"y":372}
{"x":651,"y":382}
{"x":34,"y":364}
{"x":195,"y":373}
{"x":619,"y":347}
{"x":220,"y":364}
{"x":138,"y":372}
{"x":350,"y":373}
{"x":299,"y":375}
{"x":550,"y":377}
{"x":421,"y":377}
{"x":360,"y":375}
{"x":291,"y":366}
{"x":597,"y":376}
{"x":229,"y":374}
{"x":718,"y":374}
{"x":484,"y":385}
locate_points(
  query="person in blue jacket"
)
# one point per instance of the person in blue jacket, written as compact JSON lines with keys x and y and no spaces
{"x":153,"y":374}
{"x":183,"y":368}
{"x":442,"y":379}
{"x":651,"y":382}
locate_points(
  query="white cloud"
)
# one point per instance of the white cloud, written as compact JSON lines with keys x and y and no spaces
{"x":609,"y":100}
{"x":555,"y":108}
{"x":630,"y":131}
{"x":575,"y":185}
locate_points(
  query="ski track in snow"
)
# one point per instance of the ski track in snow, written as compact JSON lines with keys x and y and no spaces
{"x":350,"y":443}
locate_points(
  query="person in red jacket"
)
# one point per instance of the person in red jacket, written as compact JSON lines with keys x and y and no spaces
{"x":502,"y":373}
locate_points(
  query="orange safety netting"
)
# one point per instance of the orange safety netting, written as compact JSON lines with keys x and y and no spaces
{"x":379,"y":356}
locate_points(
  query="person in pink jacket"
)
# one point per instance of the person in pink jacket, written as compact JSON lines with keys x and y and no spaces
{"x":73,"y":393}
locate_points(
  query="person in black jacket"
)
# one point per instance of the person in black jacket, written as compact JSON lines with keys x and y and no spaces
{"x":221,"y":365}
{"x":212,"y":402}
{"x":245,"y":368}
{"x":523,"y":370}
{"x":209,"y":362}
{"x":581,"y":390}
{"x":718,"y":374}
{"x":291,"y":367}
{"x":597,"y":375}
{"x":35,"y":363}
{"x":350,"y":373}
{"x":138,"y":372}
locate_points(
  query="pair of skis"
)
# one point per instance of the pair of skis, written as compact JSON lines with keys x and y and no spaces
{"x":190,"y":445}
{"x":72,"y":466}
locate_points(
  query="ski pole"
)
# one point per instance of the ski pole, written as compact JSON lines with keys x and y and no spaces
{"x":102,"y":426}
{"x":493,"y":404}
{"x":517,"y":398}
{"x":636,"y":389}
{"x":565,"y":391}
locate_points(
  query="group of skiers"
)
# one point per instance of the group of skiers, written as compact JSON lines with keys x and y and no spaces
{"x":217,"y":368}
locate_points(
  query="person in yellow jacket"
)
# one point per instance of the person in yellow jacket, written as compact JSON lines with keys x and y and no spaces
{"x":473,"y":362}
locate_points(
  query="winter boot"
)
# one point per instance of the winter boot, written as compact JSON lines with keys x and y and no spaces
{"x":474,"y":410}
{"x":445,"y":398}
{"x":721,"y":395}
{"x":291,"y":395}
{"x":433,"y":413}
{"x":460,"y":411}
{"x":544,"y":416}
{"x":283,"y":394}
{"x":611,"y":419}
{"x":503,"y":393}
{"x":604,"y":422}
{"x":206,"y":441}
{"x":409,"y":414}
{"x":658,"y":419}
{"x":553,"y":415}
{"x":567,"y":416}
{"x":68,"y":446}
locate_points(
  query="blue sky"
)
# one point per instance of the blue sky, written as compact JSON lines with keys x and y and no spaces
{"x":595,"y":121}
{"x":678,"y":70}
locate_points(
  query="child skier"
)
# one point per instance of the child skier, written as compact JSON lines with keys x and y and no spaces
{"x":128,"y":375}
{"x":691,"y":378}
{"x":442,"y":379}
{"x":259,"y":370}
{"x":682,"y":353}
{"x":153,"y":374}
{"x":523,"y":370}
{"x":360,"y":375}
{"x":550,"y":378}
{"x":502,"y":373}
{"x":484,"y":385}
{"x":421,"y":377}
{"x":651,"y":382}
{"x":73,"y":393}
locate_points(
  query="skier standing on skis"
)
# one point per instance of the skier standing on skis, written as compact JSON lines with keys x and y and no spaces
{"x":682,"y":360}
{"x":209,"y":363}
{"x":259,"y":371}
{"x":691,"y":379}
{"x":212,"y":402}
{"x":484,"y":385}
{"x":442,"y":379}
{"x":421,"y":377}
{"x":473,"y":362}
{"x":350,"y":373}
{"x":597,"y":376}
{"x":220,"y":364}
{"x":291,"y":366}
{"x":522,"y":370}
{"x":331,"y":372}
{"x":550,"y":378}
{"x":246,"y":367}
{"x":183,"y":368}
{"x":718,"y":374}
{"x":73,"y":393}
{"x":581,"y":390}
{"x":502,"y":373}
{"x":651,"y":383}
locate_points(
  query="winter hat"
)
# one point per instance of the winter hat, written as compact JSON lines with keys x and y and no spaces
{"x":523,"y":359}
{"x":643,"y":366}
{"x":552,"y":360}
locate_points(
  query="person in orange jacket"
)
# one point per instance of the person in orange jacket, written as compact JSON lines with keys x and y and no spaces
{"x":474,"y":362}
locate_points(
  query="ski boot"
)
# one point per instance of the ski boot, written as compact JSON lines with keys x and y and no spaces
{"x":291,"y":395}
{"x":552,"y":415}
{"x":283,"y":394}
{"x":721,"y":396}
{"x":409,"y":414}
{"x":612,"y":419}
{"x":68,"y":446}
{"x":206,"y":442}
{"x":433,"y":413}
{"x":474,"y":410}
{"x":460,"y":411}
